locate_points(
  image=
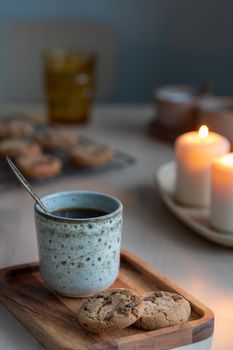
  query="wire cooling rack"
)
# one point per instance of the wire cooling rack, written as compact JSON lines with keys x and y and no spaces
{"x":120,"y":160}
{"x":8,"y":180}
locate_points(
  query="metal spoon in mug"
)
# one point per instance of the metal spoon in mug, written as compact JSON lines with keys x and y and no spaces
{"x":26,"y":184}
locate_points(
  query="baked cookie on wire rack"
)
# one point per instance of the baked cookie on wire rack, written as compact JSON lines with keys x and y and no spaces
{"x":15,"y":148}
{"x":89,"y":155}
{"x":39,"y":166}
{"x":15,"y":129}
{"x":55,"y":138}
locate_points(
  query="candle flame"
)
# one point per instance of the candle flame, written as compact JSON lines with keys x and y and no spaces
{"x":203,"y":132}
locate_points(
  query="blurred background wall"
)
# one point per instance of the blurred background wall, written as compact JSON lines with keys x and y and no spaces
{"x":162,"y":41}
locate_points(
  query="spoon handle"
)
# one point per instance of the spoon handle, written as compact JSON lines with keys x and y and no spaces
{"x":26,"y":184}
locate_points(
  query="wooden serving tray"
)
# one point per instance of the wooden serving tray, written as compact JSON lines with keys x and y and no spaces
{"x":52,"y":319}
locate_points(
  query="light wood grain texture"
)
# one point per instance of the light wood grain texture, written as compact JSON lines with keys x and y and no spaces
{"x":52,"y":318}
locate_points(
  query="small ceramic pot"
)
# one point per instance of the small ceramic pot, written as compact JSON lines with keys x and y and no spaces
{"x":176,"y":105}
{"x":217,"y":114}
{"x":79,"y":257}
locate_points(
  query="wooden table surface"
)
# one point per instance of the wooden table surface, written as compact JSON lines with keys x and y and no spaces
{"x":150,"y":230}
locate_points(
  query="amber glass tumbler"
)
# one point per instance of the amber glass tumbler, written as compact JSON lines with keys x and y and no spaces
{"x":69,"y":77}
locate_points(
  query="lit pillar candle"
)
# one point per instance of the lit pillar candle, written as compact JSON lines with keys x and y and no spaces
{"x":221,"y":206}
{"x":195,"y":152}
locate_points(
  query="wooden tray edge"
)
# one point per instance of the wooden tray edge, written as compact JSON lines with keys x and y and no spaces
{"x":195,"y":327}
{"x":208,"y":314}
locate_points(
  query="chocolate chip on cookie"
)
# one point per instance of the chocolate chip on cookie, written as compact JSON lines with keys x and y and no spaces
{"x":163,"y":309}
{"x":87,"y":156}
{"x":109,"y":310}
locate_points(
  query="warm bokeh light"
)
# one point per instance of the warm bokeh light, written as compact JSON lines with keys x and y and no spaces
{"x":226,"y":160}
{"x":203,"y":132}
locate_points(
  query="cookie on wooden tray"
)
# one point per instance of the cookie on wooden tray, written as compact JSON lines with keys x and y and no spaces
{"x":87,"y":156}
{"x":40,"y":166}
{"x":14,"y":148}
{"x":55,"y":138}
{"x":163,"y":309}
{"x":109,"y":310}
{"x":15,"y":129}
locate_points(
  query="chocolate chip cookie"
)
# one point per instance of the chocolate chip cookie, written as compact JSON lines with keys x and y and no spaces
{"x":14,"y":148}
{"x":109,"y":310}
{"x":163,"y":309}
{"x":87,"y":156}
{"x":56,"y":138}
{"x":15,"y":129}
{"x":40,"y":166}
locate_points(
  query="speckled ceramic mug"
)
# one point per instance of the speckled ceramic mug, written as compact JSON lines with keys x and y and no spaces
{"x":79,"y":257}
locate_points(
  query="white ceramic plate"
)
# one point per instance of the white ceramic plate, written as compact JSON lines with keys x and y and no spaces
{"x":196,"y":218}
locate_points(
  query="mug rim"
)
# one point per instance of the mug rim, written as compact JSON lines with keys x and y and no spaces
{"x":41,"y":212}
